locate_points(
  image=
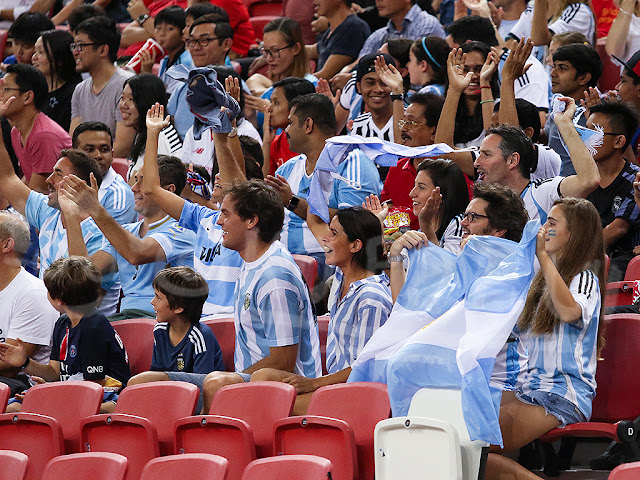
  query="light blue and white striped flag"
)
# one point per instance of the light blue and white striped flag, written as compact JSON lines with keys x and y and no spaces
{"x":458,"y":349}
{"x":383,"y":153}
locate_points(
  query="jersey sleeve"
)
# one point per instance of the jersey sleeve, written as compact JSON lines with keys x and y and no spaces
{"x":585,"y":289}
{"x":360,"y":179}
{"x":37,"y":210}
{"x":75,"y":103}
{"x":522,"y":28}
{"x":347,"y":93}
{"x":210,"y":358}
{"x":155,"y":365}
{"x":279,"y":308}
{"x":176,"y":242}
{"x":577,"y":17}
{"x":193,"y":214}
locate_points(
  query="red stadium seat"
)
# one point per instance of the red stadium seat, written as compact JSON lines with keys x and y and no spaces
{"x":137,"y":336}
{"x":621,"y":293}
{"x":264,"y":7}
{"x":37,"y":436}
{"x":627,"y":471}
{"x":323,"y":330}
{"x":309,"y":268}
{"x":359,"y":406}
{"x":193,"y":466}
{"x":14,"y":465}
{"x":308,"y":467}
{"x":93,"y":465}
{"x":225,"y":331}
{"x":5,"y":393}
{"x":258,"y":23}
{"x":69,"y":403}
{"x":611,"y":72}
{"x":128,"y":435}
{"x":121,"y":166}
{"x":4,"y":34}
{"x":618,"y":383}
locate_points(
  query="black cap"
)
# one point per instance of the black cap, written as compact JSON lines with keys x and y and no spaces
{"x":633,"y":64}
{"x":367,"y":64}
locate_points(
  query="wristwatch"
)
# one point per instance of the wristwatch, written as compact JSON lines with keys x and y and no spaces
{"x":397,"y":97}
{"x":143,"y":18}
{"x":293,"y":203}
{"x":395,"y":258}
{"x":233,"y":132}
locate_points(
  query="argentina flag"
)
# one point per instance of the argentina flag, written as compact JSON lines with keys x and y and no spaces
{"x":383,"y":153}
{"x":458,"y":348}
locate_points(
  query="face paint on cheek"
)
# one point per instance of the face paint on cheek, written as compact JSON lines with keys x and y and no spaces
{"x":551,"y":233}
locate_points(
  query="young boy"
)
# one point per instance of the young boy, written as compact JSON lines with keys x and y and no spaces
{"x":85,"y":345}
{"x":184,"y":349}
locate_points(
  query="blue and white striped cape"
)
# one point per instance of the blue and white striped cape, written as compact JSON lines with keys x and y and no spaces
{"x":450,"y":321}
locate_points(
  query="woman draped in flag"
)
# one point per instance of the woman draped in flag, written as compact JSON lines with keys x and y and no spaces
{"x":359,"y":306}
{"x":559,"y":328}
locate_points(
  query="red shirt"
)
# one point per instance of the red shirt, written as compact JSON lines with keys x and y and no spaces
{"x":400,"y":181}
{"x":606,"y":12}
{"x":243,"y":35}
{"x":279,"y":152}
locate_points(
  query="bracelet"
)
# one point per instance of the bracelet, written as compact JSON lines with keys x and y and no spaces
{"x":485,"y":86}
{"x":395,"y":258}
{"x":395,"y":97}
{"x":486,"y":101}
{"x":625,"y":12}
{"x":26,"y":362}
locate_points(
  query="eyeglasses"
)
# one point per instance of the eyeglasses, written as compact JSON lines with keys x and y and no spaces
{"x":79,"y":46}
{"x":203,"y":42}
{"x":410,"y":124}
{"x":612,"y":133}
{"x":472,"y":216}
{"x":274,"y":52}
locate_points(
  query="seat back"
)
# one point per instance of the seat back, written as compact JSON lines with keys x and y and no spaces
{"x":633,"y":270}
{"x":265,"y":7}
{"x":192,"y":466}
{"x":323,"y":331}
{"x":69,"y":403}
{"x":137,"y":336}
{"x":225,"y":331}
{"x":163,"y":404}
{"x":37,"y":436}
{"x":309,"y":467}
{"x":121,"y":166}
{"x":227,"y":437}
{"x":415,"y":448}
{"x":616,"y":374}
{"x":94,"y":465}
{"x":362,"y":405}
{"x":14,"y":465}
{"x":309,"y":268}
{"x":258,"y":23}
{"x":260,"y":404}
{"x":5,"y":393}
{"x":627,"y":471}
{"x":128,"y":435}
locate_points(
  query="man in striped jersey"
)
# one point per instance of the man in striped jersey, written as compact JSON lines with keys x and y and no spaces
{"x":275,"y":325}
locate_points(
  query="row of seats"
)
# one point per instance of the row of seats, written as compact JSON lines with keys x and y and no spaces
{"x":194,"y":466}
{"x":245,"y":422}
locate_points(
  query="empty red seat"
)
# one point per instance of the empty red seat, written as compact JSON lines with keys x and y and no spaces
{"x":37,"y":436}
{"x":14,"y":465}
{"x":627,"y":471}
{"x":137,"y":336}
{"x":308,"y":267}
{"x":308,"y":467}
{"x":69,"y":403}
{"x":264,"y":7}
{"x":622,"y":293}
{"x":225,"y":331}
{"x":121,"y":166}
{"x":5,"y":393}
{"x":93,"y":465}
{"x":191,"y":466}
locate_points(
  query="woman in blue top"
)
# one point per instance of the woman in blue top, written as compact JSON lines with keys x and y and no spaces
{"x":559,"y":328}
{"x":360,"y":305}
{"x":428,"y":64}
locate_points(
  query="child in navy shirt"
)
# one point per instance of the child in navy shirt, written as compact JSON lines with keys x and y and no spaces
{"x":184,"y":349}
{"x":85,"y":345}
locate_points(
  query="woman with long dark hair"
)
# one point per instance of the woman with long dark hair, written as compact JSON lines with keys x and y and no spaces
{"x":53,"y":57}
{"x":140,"y":93}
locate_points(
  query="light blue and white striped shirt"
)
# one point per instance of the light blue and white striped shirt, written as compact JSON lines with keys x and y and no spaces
{"x":363,"y":180}
{"x":272,"y":309}
{"x":365,"y":308}
{"x":218,"y":265}
{"x":53,"y":236}
{"x":564,"y":362}
{"x":538,"y":197}
{"x":116,"y":197}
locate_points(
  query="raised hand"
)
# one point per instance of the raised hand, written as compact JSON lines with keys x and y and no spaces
{"x":372,"y":203}
{"x":429,"y":216}
{"x":489,"y":68}
{"x":268,"y":133}
{"x":411,"y":239}
{"x":83,"y":195}
{"x":281,"y":186}
{"x":569,"y":111}
{"x":67,"y":206}
{"x":323,"y":88}
{"x":480,"y":6}
{"x":515,"y":66}
{"x":541,"y":242}
{"x":232,"y":86}
{"x":389,"y":75}
{"x":156,"y":121}
{"x":147,"y":59}
{"x":591,"y":98}
{"x":457,"y":78}
{"x":257,"y":103}
{"x":497,"y":14}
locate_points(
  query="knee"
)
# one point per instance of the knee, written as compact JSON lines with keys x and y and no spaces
{"x":213,"y":382}
{"x":265,"y":375}
{"x":146,"y":377}
{"x":13,"y":407}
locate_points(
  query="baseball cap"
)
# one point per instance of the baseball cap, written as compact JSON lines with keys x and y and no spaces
{"x":367,"y":64}
{"x":633,"y":64}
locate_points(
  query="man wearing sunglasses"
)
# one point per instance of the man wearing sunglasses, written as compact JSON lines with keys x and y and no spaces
{"x":96,"y":98}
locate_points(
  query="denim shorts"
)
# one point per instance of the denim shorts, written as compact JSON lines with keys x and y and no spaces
{"x":561,"y":408}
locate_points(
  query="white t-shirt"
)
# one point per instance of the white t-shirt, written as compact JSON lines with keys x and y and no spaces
{"x":27,"y":314}
{"x":632,"y":44}
{"x":534,"y":86}
{"x":18,"y":7}
{"x":549,"y":163}
{"x":168,"y":144}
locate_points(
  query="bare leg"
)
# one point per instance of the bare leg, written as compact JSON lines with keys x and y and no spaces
{"x":14,"y":407}
{"x":302,"y":403}
{"x":214,"y":382}
{"x":108,"y":407}
{"x":146,"y":377}
{"x":269,"y":375}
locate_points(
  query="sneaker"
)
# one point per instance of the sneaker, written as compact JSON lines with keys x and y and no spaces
{"x":615,"y":454}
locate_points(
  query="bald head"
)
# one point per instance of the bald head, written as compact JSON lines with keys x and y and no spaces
{"x":14,"y":228}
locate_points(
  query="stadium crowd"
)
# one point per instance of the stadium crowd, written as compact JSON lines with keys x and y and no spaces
{"x":158,"y":161}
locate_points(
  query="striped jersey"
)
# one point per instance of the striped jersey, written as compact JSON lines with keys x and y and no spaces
{"x":364,"y":126}
{"x":564,"y":362}
{"x":197,"y":352}
{"x":218,"y":265}
{"x":116,"y":197}
{"x":539,"y":195}
{"x":272,"y":309}
{"x":365,"y":308}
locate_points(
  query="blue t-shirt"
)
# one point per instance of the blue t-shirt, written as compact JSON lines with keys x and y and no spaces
{"x":92,"y":348}
{"x":137,"y":280}
{"x":218,"y":265}
{"x":346,"y":39}
{"x":197,"y":352}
